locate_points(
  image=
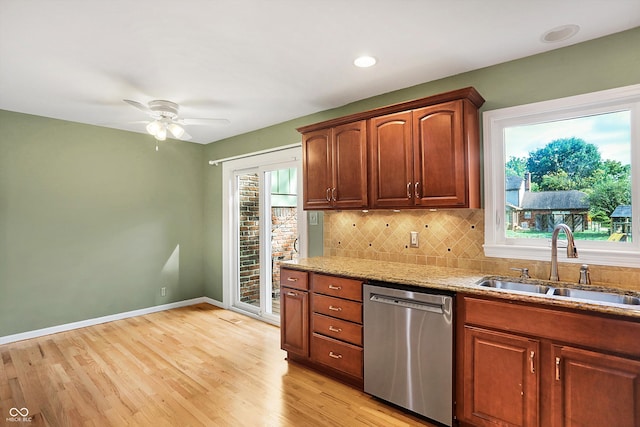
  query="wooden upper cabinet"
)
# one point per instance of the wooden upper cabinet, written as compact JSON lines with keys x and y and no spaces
{"x":317,"y":169}
{"x":439,"y":160}
{"x":423,"y":153}
{"x":349,"y":188}
{"x":335,"y":167}
{"x":391,"y":150}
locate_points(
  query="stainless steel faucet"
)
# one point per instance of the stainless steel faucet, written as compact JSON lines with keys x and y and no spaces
{"x":572,"y":251}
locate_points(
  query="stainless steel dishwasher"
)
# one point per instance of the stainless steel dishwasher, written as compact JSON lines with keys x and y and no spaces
{"x":408,"y":349}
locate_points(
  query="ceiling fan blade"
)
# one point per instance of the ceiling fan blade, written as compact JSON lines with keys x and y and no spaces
{"x":185,"y":137}
{"x":204,"y":122}
{"x":138,"y":105}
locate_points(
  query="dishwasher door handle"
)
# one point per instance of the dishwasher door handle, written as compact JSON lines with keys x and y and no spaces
{"x":405,"y":303}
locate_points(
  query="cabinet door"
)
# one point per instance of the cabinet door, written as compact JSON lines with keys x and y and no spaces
{"x":440,"y":165}
{"x":500,"y":379}
{"x":294,"y":321}
{"x":391,"y":166}
{"x":350,"y":166}
{"x":316,"y":169}
{"x":594,"y":389}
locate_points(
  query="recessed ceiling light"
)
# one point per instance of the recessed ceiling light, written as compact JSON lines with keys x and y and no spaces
{"x":560,"y":33}
{"x":365,"y":61}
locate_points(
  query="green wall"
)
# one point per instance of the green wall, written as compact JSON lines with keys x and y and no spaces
{"x":94,"y":221}
{"x":599,"y":64}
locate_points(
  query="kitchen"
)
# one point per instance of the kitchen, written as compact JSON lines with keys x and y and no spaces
{"x":600,"y":64}
{"x":527,"y":352}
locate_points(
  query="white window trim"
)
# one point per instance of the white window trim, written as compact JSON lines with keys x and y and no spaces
{"x":599,"y":253}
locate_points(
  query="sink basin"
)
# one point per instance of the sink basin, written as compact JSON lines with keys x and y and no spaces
{"x":597,"y":296}
{"x":515,"y":286}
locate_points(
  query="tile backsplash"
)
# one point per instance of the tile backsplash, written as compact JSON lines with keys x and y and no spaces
{"x":447,"y":238}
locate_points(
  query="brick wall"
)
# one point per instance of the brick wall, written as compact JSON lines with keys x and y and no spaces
{"x":249,"y":239}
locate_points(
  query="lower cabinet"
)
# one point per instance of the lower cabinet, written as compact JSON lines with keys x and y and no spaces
{"x":294,"y":312}
{"x":501,"y":378}
{"x":581,"y":376}
{"x":526,"y":365}
{"x":322,"y":327}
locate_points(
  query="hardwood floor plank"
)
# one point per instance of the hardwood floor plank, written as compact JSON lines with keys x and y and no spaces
{"x":192,"y":366}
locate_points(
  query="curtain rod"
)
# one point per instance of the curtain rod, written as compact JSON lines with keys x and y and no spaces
{"x":255,"y":153}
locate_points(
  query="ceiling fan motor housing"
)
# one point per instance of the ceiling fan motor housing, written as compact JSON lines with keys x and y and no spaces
{"x":164,"y":109}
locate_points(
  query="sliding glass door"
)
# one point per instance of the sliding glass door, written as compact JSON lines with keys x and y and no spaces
{"x":266,"y":221}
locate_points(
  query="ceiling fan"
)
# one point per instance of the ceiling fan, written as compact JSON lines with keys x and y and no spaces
{"x":166,"y":121}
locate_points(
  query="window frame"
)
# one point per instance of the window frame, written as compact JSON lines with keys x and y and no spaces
{"x":590,"y":252}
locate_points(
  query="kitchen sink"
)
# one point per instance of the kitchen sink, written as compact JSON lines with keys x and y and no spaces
{"x":515,"y":286}
{"x":596,"y":296}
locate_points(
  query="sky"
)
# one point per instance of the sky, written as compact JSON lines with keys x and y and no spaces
{"x":610,"y":132}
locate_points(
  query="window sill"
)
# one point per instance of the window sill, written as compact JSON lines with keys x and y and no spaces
{"x":592,"y":256}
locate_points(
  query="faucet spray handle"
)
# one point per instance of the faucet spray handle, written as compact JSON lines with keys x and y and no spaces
{"x":524,"y":272}
{"x":585,"y":277}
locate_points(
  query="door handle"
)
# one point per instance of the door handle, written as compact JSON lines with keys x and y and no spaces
{"x":531,"y":360}
{"x":333,"y":194}
{"x":416,"y":191}
{"x":557,"y":369}
{"x":327,"y":194}
{"x":408,"y":190}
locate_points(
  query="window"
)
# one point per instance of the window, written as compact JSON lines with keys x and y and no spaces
{"x":573,"y":160}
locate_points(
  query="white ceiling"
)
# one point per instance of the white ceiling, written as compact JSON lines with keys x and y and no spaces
{"x":261,"y":62}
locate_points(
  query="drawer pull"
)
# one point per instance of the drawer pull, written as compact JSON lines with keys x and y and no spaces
{"x":292,"y":294}
{"x":557,"y":369}
{"x":332,"y":308}
{"x":335,"y":288}
{"x":335,"y":356}
{"x":334,"y":329}
{"x":292,"y":279}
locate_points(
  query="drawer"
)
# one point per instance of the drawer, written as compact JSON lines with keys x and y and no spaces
{"x":337,"y":355}
{"x":337,"y":307}
{"x":337,"y":328}
{"x":294,"y":279}
{"x":337,"y":286}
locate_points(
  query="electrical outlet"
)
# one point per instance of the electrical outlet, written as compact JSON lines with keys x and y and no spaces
{"x":163,"y":291}
{"x":414,"y":239}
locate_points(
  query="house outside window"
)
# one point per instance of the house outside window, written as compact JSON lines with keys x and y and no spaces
{"x":570,"y":161}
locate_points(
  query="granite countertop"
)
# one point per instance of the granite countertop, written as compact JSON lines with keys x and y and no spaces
{"x":456,"y":280}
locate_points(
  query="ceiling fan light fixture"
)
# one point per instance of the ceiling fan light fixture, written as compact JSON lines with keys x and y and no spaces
{"x":176,"y":130}
{"x":153,"y":127}
{"x":161,"y":134}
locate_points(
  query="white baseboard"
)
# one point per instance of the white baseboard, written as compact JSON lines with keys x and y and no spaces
{"x":104,"y":319}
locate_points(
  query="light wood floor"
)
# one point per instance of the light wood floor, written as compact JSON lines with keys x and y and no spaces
{"x":193,"y":366}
